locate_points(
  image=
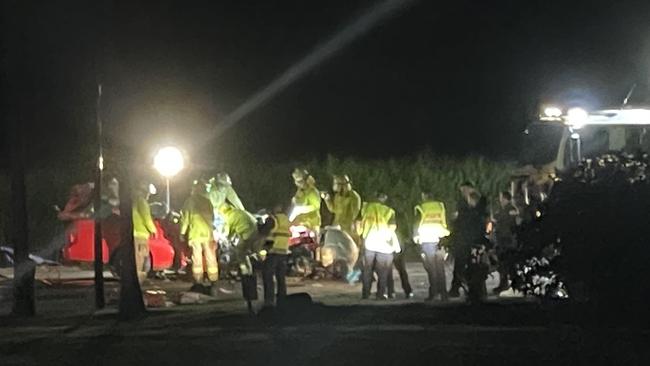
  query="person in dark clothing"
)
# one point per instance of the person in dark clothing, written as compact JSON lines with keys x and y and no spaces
{"x":505,"y":222}
{"x":469,"y":229}
{"x":275,"y":264}
{"x":400,"y":266}
{"x":478,"y":268}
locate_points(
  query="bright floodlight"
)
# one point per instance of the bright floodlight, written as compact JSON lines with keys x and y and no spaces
{"x":577,"y":117}
{"x":552,"y":112}
{"x":168,"y":161}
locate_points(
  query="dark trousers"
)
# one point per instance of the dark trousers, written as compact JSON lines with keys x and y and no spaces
{"x":476,"y":275}
{"x":434,"y":264}
{"x":400,"y":266}
{"x":461,"y":258}
{"x":505,"y":266}
{"x":274,"y":265}
{"x":381,"y":263}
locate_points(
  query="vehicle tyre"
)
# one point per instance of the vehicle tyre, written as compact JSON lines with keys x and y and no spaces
{"x":303,"y":265}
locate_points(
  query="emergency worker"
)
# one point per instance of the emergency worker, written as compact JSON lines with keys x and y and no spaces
{"x":220,"y":191}
{"x":345,"y":205}
{"x":306,"y":202}
{"x":505,"y":222}
{"x":469,"y":229}
{"x":400,"y":265}
{"x":196,"y":225}
{"x":430,"y":226}
{"x":143,"y":228}
{"x":275,"y":264}
{"x":377,"y":229}
{"x":239,"y":225}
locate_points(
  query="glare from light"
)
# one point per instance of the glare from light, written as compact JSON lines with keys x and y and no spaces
{"x":169,"y":161}
{"x":577,"y":117}
{"x":575,"y":136}
{"x":552,"y":112}
{"x":152,"y":189}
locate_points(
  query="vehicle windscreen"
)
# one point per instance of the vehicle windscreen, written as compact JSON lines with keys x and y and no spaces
{"x":598,"y":140}
{"x":540,"y":143}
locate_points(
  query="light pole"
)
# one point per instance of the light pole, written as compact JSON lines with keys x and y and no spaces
{"x":168,"y":162}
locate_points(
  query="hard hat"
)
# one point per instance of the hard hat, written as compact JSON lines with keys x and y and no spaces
{"x":341,"y":179}
{"x":224,"y":179}
{"x":300,"y":174}
{"x":200,"y":186}
{"x":381,"y":196}
{"x":142,"y":187}
{"x":342,"y":182}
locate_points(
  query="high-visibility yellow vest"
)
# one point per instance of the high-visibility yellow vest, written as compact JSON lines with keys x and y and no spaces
{"x":197,"y":217}
{"x":310,"y":197}
{"x":143,"y":225}
{"x":433,"y":221}
{"x":280,"y":234}
{"x":432,"y":212}
{"x":238,"y":222}
{"x":375,"y":216}
{"x":345,"y":207}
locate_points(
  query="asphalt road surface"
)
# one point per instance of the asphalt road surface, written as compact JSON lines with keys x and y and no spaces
{"x":340,"y":329}
{"x":69,"y":292}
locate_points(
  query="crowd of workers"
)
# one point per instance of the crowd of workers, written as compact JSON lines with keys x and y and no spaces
{"x":214,"y":212}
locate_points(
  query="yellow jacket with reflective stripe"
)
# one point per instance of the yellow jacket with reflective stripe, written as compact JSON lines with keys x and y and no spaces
{"x":375,"y":216}
{"x":143,"y":225}
{"x":197,"y":217}
{"x":309,"y":197}
{"x":345,"y":207}
{"x":239,"y":222}
{"x":432,"y":212}
{"x":280,"y":234}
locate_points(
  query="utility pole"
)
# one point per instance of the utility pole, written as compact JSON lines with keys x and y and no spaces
{"x":99,"y":253}
{"x":17,"y":77}
{"x":24,"y":268}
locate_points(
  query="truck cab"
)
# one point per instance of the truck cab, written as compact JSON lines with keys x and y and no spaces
{"x":558,"y":141}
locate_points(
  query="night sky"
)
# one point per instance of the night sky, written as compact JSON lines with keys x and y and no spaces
{"x":455,"y":78}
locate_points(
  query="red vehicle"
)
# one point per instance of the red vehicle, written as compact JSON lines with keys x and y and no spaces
{"x":302,"y":251}
{"x":80,"y":241}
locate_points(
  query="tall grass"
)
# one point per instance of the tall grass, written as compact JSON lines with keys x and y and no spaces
{"x":403,"y":179}
{"x":263,"y":184}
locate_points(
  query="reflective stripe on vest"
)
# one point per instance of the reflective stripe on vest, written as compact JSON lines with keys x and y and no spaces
{"x":375,"y":216}
{"x":432,"y":212}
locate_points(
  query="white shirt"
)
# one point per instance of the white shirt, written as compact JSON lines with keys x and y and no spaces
{"x":382,"y":241}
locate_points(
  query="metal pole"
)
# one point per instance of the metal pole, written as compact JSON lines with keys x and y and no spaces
{"x":168,"y":197}
{"x":24,"y":268}
{"x":99,"y":255}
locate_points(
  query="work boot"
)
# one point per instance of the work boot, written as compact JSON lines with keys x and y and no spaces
{"x":198,"y":288}
{"x":409,"y":295}
{"x":214,"y":289}
{"x":453,"y":293}
{"x":382,"y":297}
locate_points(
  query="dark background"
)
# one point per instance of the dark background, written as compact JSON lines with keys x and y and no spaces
{"x":455,"y":78}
